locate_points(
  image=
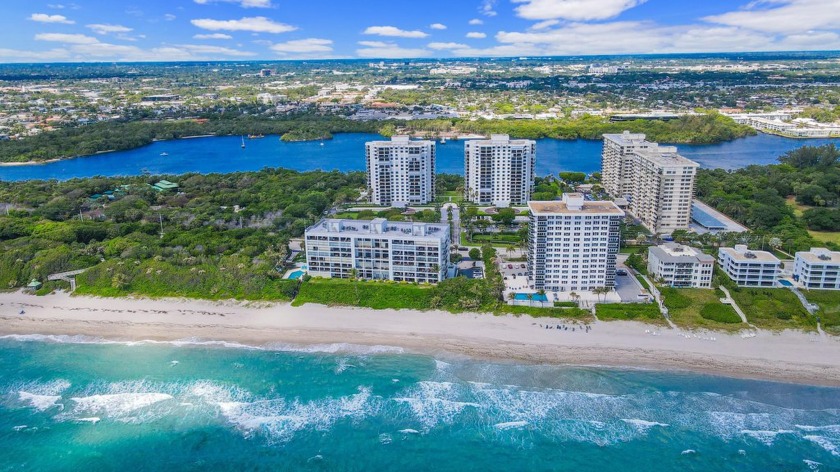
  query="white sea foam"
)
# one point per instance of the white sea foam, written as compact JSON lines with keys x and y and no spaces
{"x":118,"y":404}
{"x":19,"y":427}
{"x":510,"y":425}
{"x":39,"y":402}
{"x":688,"y":451}
{"x":812,"y":465}
{"x":409,"y":431}
{"x":335,"y":348}
{"x":91,"y":420}
{"x":342,"y":365}
{"x":279,"y":419}
{"x":643,"y":425}
{"x":765,"y":437}
{"x":824,"y":443}
{"x":385,"y":439}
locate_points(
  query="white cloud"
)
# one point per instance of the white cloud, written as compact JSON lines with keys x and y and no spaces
{"x":304,"y":46}
{"x":105,"y":29}
{"x":437,"y":26}
{"x":475,"y":22}
{"x":213,"y":36}
{"x":45,"y":18}
{"x":394,"y":32}
{"x":446,"y":46}
{"x":783,"y":16}
{"x":207,"y":49}
{"x":241,"y":3}
{"x":66,"y":38}
{"x":488,"y":8}
{"x":16,"y":55}
{"x":382,"y":50}
{"x":476,"y":35}
{"x":573,"y":10}
{"x":169,"y":17}
{"x":256,"y":24}
{"x":544,"y":24}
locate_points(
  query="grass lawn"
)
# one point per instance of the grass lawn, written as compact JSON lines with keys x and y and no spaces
{"x":643,"y":282}
{"x":826,"y":236}
{"x":377,"y":295}
{"x":445,"y":197}
{"x":700,"y":308}
{"x":829,"y":302}
{"x":569,"y":313}
{"x":773,"y":308}
{"x":644,"y":312}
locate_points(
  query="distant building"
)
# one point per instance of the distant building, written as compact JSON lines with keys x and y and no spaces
{"x":499,"y":171}
{"x":657,"y":182}
{"x":573,"y":243}
{"x":749,"y":268}
{"x":681,"y":266}
{"x":266,"y":72}
{"x":160,"y":98}
{"x":400,"y":172}
{"x":818,"y":268}
{"x":378,"y":250}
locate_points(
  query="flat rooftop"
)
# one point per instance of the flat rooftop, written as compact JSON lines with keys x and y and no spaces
{"x":673,"y":252}
{"x":813,"y":256}
{"x":665,"y":156}
{"x":626,"y":138}
{"x":555,"y":207}
{"x":380,"y":226}
{"x":741,"y":256}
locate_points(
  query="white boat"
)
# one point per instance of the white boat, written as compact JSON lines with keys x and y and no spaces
{"x":164,"y":154}
{"x":243,"y":142}
{"x":443,"y":140}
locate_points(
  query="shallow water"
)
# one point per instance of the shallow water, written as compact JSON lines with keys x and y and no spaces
{"x":346,"y":152}
{"x":81,"y":404}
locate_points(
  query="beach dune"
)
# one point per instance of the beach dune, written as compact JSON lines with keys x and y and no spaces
{"x":787,"y":356}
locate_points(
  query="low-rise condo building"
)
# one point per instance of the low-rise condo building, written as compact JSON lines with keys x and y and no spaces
{"x":657,"y":182}
{"x":378,"y":250}
{"x":749,"y":268}
{"x":400,"y":172}
{"x":499,"y":171}
{"x":818,"y":268}
{"x":573,"y":243}
{"x":681,"y":266}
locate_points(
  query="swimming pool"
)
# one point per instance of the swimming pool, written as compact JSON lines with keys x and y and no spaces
{"x":296,"y":275}
{"x":536,"y":297}
{"x":786,"y":283}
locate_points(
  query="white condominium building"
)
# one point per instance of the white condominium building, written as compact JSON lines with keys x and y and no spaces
{"x":657,"y":182}
{"x":818,"y":268}
{"x":499,"y":171}
{"x":573,"y":243}
{"x":749,"y":268}
{"x":378,"y":250}
{"x":681,"y":266}
{"x":400,"y":172}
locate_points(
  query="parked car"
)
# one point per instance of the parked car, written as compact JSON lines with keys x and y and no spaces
{"x":620,"y":272}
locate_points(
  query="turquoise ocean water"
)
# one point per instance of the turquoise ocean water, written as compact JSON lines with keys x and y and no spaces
{"x":84,"y":404}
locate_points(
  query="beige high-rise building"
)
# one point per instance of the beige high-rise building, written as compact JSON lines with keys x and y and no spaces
{"x":499,"y":171}
{"x":657,"y":182}
{"x":400,"y":172}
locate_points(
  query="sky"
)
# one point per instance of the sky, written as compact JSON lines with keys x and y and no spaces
{"x":185,"y":30}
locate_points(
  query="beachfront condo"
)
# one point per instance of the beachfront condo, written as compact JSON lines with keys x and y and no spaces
{"x":681,"y":266}
{"x":573,"y":243}
{"x":657,"y":182}
{"x":378,"y":250}
{"x":400,"y":172}
{"x":749,"y":268}
{"x":499,"y":171}
{"x":818,"y":268}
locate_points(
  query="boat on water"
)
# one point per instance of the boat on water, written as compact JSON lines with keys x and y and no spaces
{"x":164,"y":154}
{"x":443,"y":140}
{"x":243,"y":142}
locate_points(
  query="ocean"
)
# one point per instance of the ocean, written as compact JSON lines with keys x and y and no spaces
{"x":346,"y":152}
{"x":73,"y":403}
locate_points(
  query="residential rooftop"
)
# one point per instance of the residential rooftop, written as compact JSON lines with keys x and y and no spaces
{"x":665,"y":156}
{"x":380,"y":226}
{"x":573,"y":204}
{"x":677,"y":253}
{"x":740,"y":253}
{"x":819,"y":255}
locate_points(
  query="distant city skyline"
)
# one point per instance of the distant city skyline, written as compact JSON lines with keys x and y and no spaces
{"x":176,"y":30}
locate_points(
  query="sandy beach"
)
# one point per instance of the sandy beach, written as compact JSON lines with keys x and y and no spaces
{"x":788,"y":356}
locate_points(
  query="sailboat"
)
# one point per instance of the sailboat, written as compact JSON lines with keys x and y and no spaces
{"x":243,"y":142}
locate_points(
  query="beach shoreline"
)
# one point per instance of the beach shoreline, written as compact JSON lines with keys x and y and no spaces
{"x":794,"y":357}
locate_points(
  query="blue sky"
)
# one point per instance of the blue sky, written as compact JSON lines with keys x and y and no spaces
{"x":160,"y":30}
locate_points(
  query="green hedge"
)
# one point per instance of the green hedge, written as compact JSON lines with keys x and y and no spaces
{"x":720,"y":313}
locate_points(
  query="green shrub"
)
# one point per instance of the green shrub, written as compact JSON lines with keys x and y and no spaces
{"x":720,"y":313}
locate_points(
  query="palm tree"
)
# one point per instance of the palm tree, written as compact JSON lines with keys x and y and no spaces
{"x":530,"y":299}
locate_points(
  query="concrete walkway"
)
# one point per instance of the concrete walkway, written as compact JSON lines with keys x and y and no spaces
{"x":731,"y":302}
{"x":658,"y":297}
